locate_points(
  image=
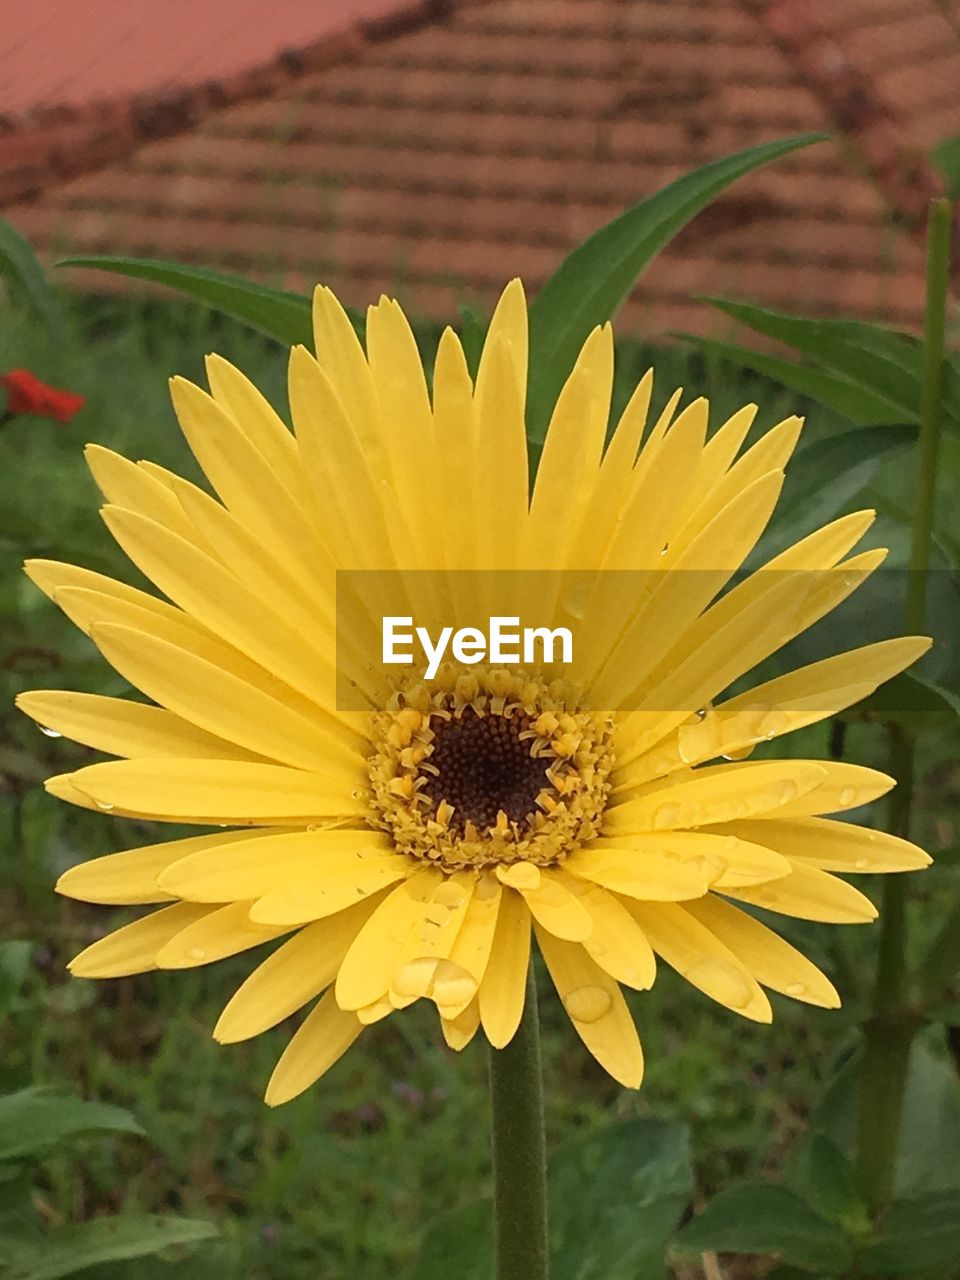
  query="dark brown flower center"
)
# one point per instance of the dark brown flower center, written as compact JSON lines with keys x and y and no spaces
{"x":483,"y":765}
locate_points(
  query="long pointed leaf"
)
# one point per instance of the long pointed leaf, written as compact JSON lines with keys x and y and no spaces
{"x":589,"y":286}
{"x":862,"y":406}
{"x":20,"y":265}
{"x":275,"y":312}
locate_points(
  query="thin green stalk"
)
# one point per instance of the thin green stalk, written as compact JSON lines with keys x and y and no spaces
{"x":893,"y":1023}
{"x":519,"y":1151}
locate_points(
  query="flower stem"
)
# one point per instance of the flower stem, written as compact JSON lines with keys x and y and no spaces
{"x":893,"y":1023}
{"x":519,"y":1151}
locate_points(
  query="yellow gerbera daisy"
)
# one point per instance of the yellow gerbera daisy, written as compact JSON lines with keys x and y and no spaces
{"x":409,"y":850}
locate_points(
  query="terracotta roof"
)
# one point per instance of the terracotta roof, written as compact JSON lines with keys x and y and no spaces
{"x":437,"y":163}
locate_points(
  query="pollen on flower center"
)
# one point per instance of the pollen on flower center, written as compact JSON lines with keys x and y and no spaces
{"x":488,"y":767}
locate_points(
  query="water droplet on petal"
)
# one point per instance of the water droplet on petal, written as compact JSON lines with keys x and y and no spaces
{"x":666,"y":548}
{"x":486,"y":887}
{"x":415,"y":977}
{"x":587,"y":1004}
{"x":739,"y":753}
{"x":520,"y":875}
{"x":795,"y":989}
{"x":358,"y":793}
{"x":861,"y":864}
{"x":788,"y":792}
{"x":48,"y":732}
{"x":453,"y":987}
{"x":668,"y":815}
{"x":196,"y":953}
{"x":450,"y":894}
{"x":848,"y":795}
{"x":102,"y":804}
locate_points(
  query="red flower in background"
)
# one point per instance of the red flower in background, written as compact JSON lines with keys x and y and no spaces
{"x":27,"y":394}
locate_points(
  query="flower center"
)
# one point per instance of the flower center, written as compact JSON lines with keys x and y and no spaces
{"x":489,"y":766}
{"x":482,"y":766}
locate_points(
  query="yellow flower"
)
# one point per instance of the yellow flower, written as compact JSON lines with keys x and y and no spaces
{"x":408,"y":850}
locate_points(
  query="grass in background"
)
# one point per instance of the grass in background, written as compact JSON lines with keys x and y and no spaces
{"x":340,"y":1182}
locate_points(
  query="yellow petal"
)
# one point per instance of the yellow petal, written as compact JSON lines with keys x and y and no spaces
{"x":209,"y":592}
{"x":131,"y":876}
{"x":840,"y":787}
{"x":771,"y":960}
{"x":719,"y":793}
{"x":834,"y":846}
{"x":125,"y":484}
{"x":549,"y":895}
{"x":617,"y":943}
{"x":215,"y":791}
{"x":133,"y":949}
{"x":810,"y":894}
{"x":698,"y":955}
{"x":223,"y":932}
{"x":254,"y":867}
{"x":296,"y":972}
{"x":504,"y":986}
{"x":508,"y":325}
{"x":638,"y":873}
{"x":369,"y":966}
{"x":475,"y":940}
{"x":596,"y":1008}
{"x":459,"y":1031}
{"x":258,"y":421}
{"x":225,"y":705}
{"x":123,"y":728}
{"x":324,"y":1037}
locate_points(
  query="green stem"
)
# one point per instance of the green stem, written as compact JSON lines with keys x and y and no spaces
{"x":893,"y":1023}
{"x":519,"y":1151}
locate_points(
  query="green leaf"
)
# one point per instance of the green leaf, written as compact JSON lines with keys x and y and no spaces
{"x":33,"y":1120}
{"x":930,"y":1127}
{"x":823,"y":1176}
{"x":615,"y":1197}
{"x":275,"y":312}
{"x":71,"y":1249}
{"x":918,"y":1235}
{"x":589,"y":286}
{"x":759,"y":1218}
{"x":860,"y":404}
{"x":824,"y":478}
{"x":20,"y":265}
{"x":913,"y":702}
{"x":873,"y":358}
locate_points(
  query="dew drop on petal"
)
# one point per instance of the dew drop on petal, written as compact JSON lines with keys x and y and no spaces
{"x":486,"y":888}
{"x":415,"y":977}
{"x":102,"y":804}
{"x":861,"y":864}
{"x":521,"y":875}
{"x":795,"y":989}
{"x":449,"y":894}
{"x":739,"y":753}
{"x":668,"y":815}
{"x":453,"y":987}
{"x":196,"y":953}
{"x":48,"y":732}
{"x":587,"y":1004}
{"x":788,"y":792}
{"x":848,"y":795}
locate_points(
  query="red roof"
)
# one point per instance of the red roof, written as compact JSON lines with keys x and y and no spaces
{"x":485,"y":139}
{"x":58,"y":53}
